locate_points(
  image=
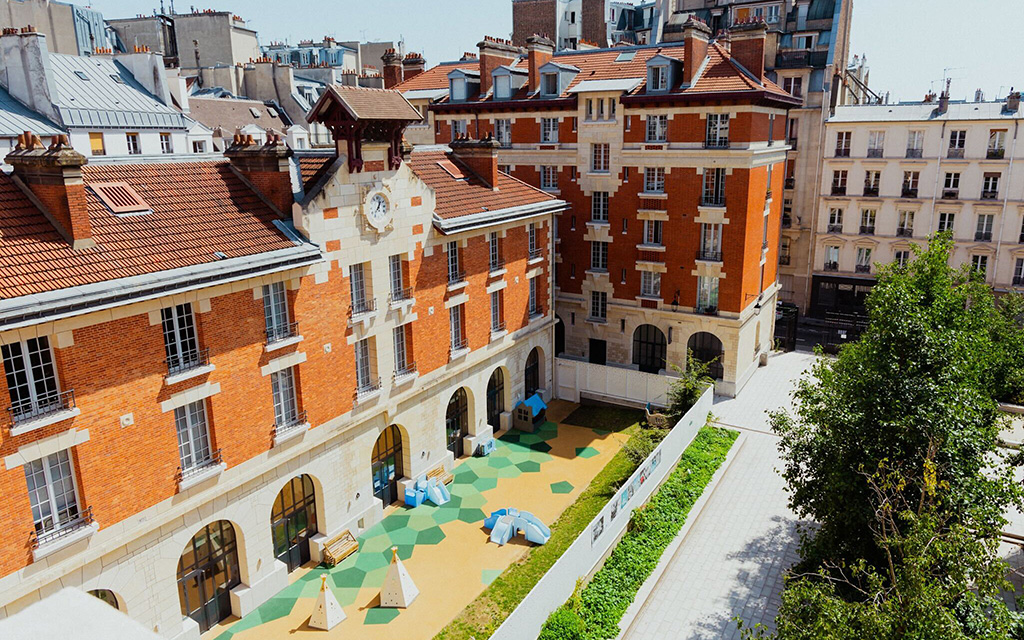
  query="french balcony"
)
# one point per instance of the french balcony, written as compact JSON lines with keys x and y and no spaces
{"x":862,"y":268}
{"x":535,"y":313}
{"x":842,"y":153}
{"x":995,"y":154}
{"x":983,"y":236}
{"x":909,"y":192}
{"x":458,"y":348}
{"x":790,"y":183}
{"x":870,"y":192}
{"x":713,"y":200}
{"x":536,"y":253}
{"x":456,"y":278}
{"x":709,"y":255}
{"x":867,"y":230}
{"x":405,"y":373}
{"x":989,"y":195}
{"x":793,"y":143}
{"x":46,"y":542}
{"x":280,"y":333}
{"x":955,"y":154}
{"x":838,"y":190}
{"x":904,"y":232}
{"x":915,"y":153}
{"x":362,"y":309}
{"x":835,"y":228}
{"x":497,"y":330}
{"x":1018,"y":280}
{"x":187,"y":361}
{"x":399,"y":296}
{"x":47,"y":409}
{"x":784,"y":259}
{"x":707,"y":309}
{"x":716,"y":143}
{"x":290,"y":427}
{"x":831,"y":266}
{"x":874,"y":153}
{"x":496,"y":265}
{"x":367,"y":389}
{"x":200,"y":471}
{"x":950,"y":194}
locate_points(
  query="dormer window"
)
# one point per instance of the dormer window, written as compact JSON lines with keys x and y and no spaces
{"x":549,"y":84}
{"x":659,"y":78}
{"x":502,"y":87}
{"x":458,"y":89}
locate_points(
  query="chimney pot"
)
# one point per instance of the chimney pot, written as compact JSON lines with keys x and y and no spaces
{"x":747,"y":44}
{"x":695,"y":48}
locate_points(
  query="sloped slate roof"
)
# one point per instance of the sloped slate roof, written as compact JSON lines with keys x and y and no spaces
{"x":16,"y":118}
{"x":363,"y":103}
{"x":198,"y":208}
{"x":232,"y":113}
{"x":109,"y":98}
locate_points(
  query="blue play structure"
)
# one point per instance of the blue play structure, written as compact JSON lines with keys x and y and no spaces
{"x":505,"y":523}
{"x":485,"y":448}
{"x":529,"y":414}
{"x":428,"y":489}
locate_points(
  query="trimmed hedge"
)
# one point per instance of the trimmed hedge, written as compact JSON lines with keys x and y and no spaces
{"x":594,"y":613}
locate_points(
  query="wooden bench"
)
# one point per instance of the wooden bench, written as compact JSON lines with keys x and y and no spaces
{"x":340,"y":547}
{"x":442,"y":476}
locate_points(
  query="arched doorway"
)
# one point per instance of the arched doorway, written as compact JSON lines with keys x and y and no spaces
{"x":495,"y":398}
{"x":559,"y":336}
{"x":207,"y":572}
{"x":456,"y":421}
{"x":706,"y":347}
{"x":532,"y":374}
{"x":293,"y":521}
{"x":649,"y":348}
{"x":387,"y":465}
{"x":106,"y":595}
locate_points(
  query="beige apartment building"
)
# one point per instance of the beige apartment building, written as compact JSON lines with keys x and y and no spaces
{"x":893,"y":175}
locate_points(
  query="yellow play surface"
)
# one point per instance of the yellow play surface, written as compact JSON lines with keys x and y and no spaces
{"x":445,"y":549}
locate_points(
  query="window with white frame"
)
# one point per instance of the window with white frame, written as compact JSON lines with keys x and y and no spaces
{"x":396,"y":274}
{"x":711,"y":240}
{"x":915,"y":143}
{"x":867,"y":220}
{"x":957,"y":143}
{"x":946,"y":219}
{"x":402,"y":364}
{"x":166,"y":146}
{"x":657,"y":128}
{"x":864,"y":257}
{"x":979,"y":262}
{"x":497,"y":318}
{"x":180,"y":342}
{"x":455,"y":328}
{"x":831,"y":255}
{"x":599,"y":305}
{"x":458,"y":129}
{"x":835,"y":219}
{"x":911,"y":180}
{"x":199,"y":146}
{"x":599,"y":158}
{"x":286,"y":403}
{"x":502,"y":87}
{"x":902,"y":257}
{"x":549,"y":177}
{"x":650,"y":284}
{"x":493,"y":251}
{"x":843,"y":139}
{"x":549,"y":84}
{"x":52,"y":493}
{"x":454,"y":272}
{"x":531,"y":239}
{"x":503,"y":132}
{"x":193,"y":435}
{"x":839,"y":178}
{"x":134,"y":148}
{"x":654,"y":180}
{"x":714,"y":187}
{"x":275,"y":312}
{"x":872,"y":181}
{"x":996,"y":142}
{"x":458,"y":89}
{"x":659,"y":78}
{"x":876,"y":142}
{"x":364,"y":366}
{"x":31,"y":378}
{"x":952,"y":180}
{"x":990,"y":185}
{"x":549,"y":130}
{"x":717,"y":134}
{"x":707,"y":294}
{"x":599,"y":206}
{"x":358,"y":289}
{"x":905,"y":222}
{"x":983,"y":231}
{"x":598,"y":256}
{"x":793,"y":86}
{"x":534,"y":302}
{"x":652,"y":232}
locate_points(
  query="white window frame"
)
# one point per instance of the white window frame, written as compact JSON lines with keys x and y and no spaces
{"x":653,"y":232}
{"x":496,"y":311}
{"x":458,"y":129}
{"x":946,"y":221}
{"x":166,"y":143}
{"x":275,"y":311}
{"x":396,"y":276}
{"x":503,"y":132}
{"x":599,"y":206}
{"x":285,"y":395}
{"x":458,"y":89}
{"x":549,"y":130}
{"x":364,"y":365}
{"x":546,"y":81}
{"x":650,"y":284}
{"x":193,"y":429}
{"x":132,"y":141}
{"x":600,"y":157}
{"x":549,"y":177}
{"x":534,"y":308}
{"x":657,"y":128}
{"x":707,"y":293}
{"x":717,"y":132}
{"x":659,"y":77}
{"x":181,"y":334}
{"x":47,"y":495}
{"x":456,"y":331}
{"x":401,"y":348}
{"x":599,"y":305}
{"x":979,"y":263}
{"x":598,"y":255}
{"x":654,"y":179}
{"x":40,"y":390}
{"x":453,"y":261}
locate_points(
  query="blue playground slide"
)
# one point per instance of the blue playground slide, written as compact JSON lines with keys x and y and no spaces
{"x":437,"y":492}
{"x":505,"y":523}
{"x":502,"y":530}
{"x":533,"y":529}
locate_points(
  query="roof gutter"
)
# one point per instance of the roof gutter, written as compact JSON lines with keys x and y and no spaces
{"x":505,"y":105}
{"x":74,"y":301}
{"x":488,"y":218}
{"x":700,"y":96}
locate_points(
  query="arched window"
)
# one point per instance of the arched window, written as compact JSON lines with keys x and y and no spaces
{"x":559,"y":336}
{"x":207,"y":572}
{"x":649,"y":348}
{"x":293,"y":521}
{"x":106,"y":595}
{"x":495,"y":398}
{"x":386,"y":465}
{"x":532,"y":374}
{"x":706,"y":347}
{"x":456,"y":421}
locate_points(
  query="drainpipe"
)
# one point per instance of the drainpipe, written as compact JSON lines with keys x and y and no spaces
{"x":935,"y":189}
{"x":1006,"y":199}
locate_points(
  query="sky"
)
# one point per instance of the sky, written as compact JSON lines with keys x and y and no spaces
{"x":911,"y":45}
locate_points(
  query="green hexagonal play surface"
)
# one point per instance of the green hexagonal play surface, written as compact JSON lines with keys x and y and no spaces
{"x":586,"y":452}
{"x":561,"y":487}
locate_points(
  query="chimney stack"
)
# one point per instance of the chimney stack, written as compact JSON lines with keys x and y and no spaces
{"x":494,"y":52}
{"x":1013,"y":101}
{"x":266,"y":167}
{"x":413,"y":65}
{"x":747,"y":43}
{"x":25,"y":68}
{"x":481,"y":156}
{"x":695,"y":47}
{"x":53,"y":178}
{"x":944,"y":99}
{"x":392,"y":68}
{"x":539,"y":51}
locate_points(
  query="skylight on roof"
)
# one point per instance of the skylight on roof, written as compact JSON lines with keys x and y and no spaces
{"x":254,"y":111}
{"x":272,"y":111}
{"x":626,"y":56}
{"x":116,"y":78}
{"x":120,"y":197}
{"x":450,"y":168}
{"x":81,"y":74}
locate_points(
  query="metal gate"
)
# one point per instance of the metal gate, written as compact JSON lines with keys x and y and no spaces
{"x":787,"y":316}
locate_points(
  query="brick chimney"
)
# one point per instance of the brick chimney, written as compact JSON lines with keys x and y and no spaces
{"x":413,"y":65}
{"x":1013,"y":101}
{"x":748,"y":40}
{"x":266,"y":167}
{"x":539,"y":51}
{"x":494,"y":52}
{"x":53,"y":178}
{"x":944,"y":99}
{"x":392,"y":68}
{"x":481,"y":156}
{"x":695,"y":47}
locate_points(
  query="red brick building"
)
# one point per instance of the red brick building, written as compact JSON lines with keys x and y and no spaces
{"x":184,"y":342}
{"x":671,"y":158}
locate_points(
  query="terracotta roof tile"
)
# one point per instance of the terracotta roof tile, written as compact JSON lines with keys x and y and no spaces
{"x":198,"y":208}
{"x":435,"y":77}
{"x":312,"y":167}
{"x":461,"y":197}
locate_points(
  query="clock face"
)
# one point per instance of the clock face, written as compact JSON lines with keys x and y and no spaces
{"x":378,"y":211}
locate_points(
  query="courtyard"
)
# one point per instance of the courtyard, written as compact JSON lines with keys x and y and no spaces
{"x":445,"y":548}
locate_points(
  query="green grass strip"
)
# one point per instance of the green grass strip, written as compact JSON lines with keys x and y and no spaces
{"x":486,"y":613}
{"x":594,"y":612}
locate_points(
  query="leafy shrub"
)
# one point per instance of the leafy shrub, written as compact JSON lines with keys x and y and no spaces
{"x":686,"y":390}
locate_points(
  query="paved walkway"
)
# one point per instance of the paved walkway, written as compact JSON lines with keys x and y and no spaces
{"x":732,"y":560}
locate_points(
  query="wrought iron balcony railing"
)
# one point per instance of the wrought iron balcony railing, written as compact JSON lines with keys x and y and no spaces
{"x":187,"y":361}
{"x":831,"y":266}
{"x":400,"y":295}
{"x":709,"y":255}
{"x":43,"y":538}
{"x":44,"y":405}
{"x":283,"y":331}
{"x":199,"y":467}
{"x":361,"y":307}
